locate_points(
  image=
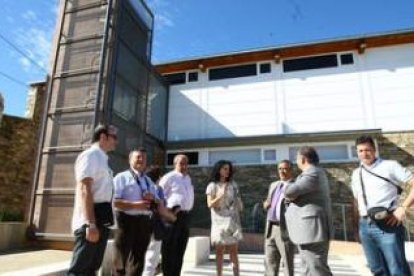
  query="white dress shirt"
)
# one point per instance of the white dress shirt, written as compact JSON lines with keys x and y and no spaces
{"x":178,"y":190}
{"x":92,"y":163}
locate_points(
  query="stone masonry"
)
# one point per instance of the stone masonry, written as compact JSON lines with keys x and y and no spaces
{"x":18,"y":145}
{"x":254,"y":182}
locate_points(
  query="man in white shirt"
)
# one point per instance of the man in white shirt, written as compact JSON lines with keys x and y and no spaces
{"x":179,"y":195}
{"x":93,"y":185}
{"x":376,"y":184}
{"x":135,"y":199}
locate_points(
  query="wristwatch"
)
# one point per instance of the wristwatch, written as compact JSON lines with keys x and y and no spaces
{"x":91,"y":225}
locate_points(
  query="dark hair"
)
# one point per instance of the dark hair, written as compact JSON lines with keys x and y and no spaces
{"x":140,"y":149}
{"x":285,"y":161}
{"x":365,"y":139}
{"x":310,"y":154}
{"x":215,"y":173}
{"x":103,"y":129}
{"x":154,"y":172}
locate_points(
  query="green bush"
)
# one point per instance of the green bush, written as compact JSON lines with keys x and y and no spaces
{"x":6,"y":215}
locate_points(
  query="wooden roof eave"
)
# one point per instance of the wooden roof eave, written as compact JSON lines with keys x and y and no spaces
{"x":276,"y":54}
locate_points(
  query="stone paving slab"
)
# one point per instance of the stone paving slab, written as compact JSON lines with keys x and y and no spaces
{"x":346,"y":259}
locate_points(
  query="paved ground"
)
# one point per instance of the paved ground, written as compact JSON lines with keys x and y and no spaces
{"x":346,"y":259}
{"x":252,"y":264}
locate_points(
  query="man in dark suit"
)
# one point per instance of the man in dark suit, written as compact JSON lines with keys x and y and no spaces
{"x":277,"y":243}
{"x":308,"y":216}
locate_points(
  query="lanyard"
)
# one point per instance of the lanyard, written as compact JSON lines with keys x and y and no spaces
{"x":144,"y":189}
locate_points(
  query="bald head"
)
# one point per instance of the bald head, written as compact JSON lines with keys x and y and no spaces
{"x":181,"y":163}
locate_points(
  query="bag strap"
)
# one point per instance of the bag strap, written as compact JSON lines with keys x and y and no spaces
{"x":364,"y":195}
{"x":399,"y":189}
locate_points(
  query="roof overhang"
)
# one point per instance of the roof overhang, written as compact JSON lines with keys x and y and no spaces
{"x":359,"y":43}
{"x":272,"y":139}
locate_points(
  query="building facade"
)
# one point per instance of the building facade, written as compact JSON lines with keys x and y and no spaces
{"x":256,"y":108}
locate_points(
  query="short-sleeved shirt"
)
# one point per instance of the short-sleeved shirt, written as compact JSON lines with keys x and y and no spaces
{"x":178,"y":190}
{"x":126,"y":187}
{"x":379,"y":192}
{"x":92,"y":163}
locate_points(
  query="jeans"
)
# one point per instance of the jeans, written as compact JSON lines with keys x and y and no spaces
{"x":384,"y":248}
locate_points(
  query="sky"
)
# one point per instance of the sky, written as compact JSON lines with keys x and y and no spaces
{"x":193,"y":28}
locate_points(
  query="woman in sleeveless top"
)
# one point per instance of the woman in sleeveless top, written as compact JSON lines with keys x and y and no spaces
{"x":224,"y":201}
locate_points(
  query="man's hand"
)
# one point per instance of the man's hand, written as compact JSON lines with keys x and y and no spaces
{"x":143,"y":204}
{"x":397,"y":217}
{"x":92,"y":234}
{"x":266,"y":205}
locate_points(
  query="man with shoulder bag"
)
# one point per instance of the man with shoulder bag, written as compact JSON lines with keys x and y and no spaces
{"x":376,"y":188}
{"x":92,"y":213}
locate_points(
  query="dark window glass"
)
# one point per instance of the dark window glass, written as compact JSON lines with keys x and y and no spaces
{"x":347,"y":59}
{"x":310,"y":63}
{"x":192,"y":157}
{"x":233,"y":72}
{"x":176,"y":78}
{"x":264,"y":68}
{"x":193,"y":76}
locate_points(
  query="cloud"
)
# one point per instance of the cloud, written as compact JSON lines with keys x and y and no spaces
{"x":34,"y":38}
{"x":36,"y":43}
{"x":163,"y":13}
{"x":10,"y":19}
{"x":29,"y":15}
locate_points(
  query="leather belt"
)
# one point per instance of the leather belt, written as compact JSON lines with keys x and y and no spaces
{"x":277,"y":223}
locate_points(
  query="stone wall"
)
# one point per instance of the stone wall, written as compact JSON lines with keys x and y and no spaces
{"x":254,"y":182}
{"x":18,"y":145}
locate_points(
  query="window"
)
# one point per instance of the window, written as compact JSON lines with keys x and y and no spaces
{"x":176,"y":78}
{"x":326,"y":153}
{"x":354,"y":152}
{"x":233,"y":72}
{"x":269,"y":155}
{"x":193,"y":76}
{"x":244,"y":156}
{"x":192,"y":157}
{"x":265,"y":68}
{"x":307,"y":63}
{"x":347,"y":59}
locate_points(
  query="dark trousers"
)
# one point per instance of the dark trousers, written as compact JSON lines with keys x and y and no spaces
{"x":87,"y":256}
{"x":174,"y":245}
{"x":131,"y":242}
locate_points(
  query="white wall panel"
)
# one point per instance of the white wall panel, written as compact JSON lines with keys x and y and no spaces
{"x":322,"y":101}
{"x":391,"y":74}
{"x":377,"y":91}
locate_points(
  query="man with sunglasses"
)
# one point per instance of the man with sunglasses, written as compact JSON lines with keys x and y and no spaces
{"x":93,"y":186}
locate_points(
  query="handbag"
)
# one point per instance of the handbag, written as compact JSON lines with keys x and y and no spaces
{"x":378,"y":213}
{"x":103,"y":214}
